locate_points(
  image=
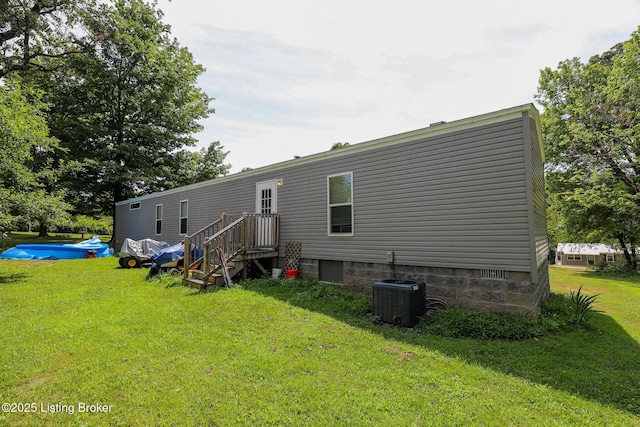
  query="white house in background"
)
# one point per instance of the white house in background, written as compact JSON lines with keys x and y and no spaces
{"x":585,"y":253}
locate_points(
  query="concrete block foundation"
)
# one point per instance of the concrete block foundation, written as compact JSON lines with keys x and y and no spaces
{"x":510,"y":292}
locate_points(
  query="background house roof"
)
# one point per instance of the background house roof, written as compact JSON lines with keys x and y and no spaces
{"x":586,"y":249}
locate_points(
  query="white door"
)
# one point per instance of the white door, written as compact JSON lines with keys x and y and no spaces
{"x":266,"y":203}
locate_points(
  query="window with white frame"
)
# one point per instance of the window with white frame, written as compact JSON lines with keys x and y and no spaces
{"x":134,"y":206}
{"x":158,"y":219}
{"x":611,"y":257}
{"x":574,"y":257}
{"x":184,"y":216}
{"x":340,"y":204}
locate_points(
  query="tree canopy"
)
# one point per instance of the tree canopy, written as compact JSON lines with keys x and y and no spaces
{"x":591,"y":125}
{"x":27,"y":177}
{"x":118,"y":95}
{"x":34,"y":33}
{"x":339,"y":145}
{"x":124,"y":109}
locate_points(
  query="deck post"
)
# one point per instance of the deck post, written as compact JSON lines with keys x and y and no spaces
{"x":275,"y":231}
{"x":206,"y":260}
{"x":187,"y":257}
{"x":243,"y":242}
{"x":224,"y":221}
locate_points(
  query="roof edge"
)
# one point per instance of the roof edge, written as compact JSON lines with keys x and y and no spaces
{"x":434,"y":130}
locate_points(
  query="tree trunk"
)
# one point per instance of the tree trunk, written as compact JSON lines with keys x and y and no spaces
{"x":42,"y":230}
{"x":112,"y":241}
{"x":632,"y":260}
{"x":117,"y":197}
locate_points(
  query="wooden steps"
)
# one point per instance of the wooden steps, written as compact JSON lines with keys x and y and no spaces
{"x":197,"y":278}
{"x":244,"y":241}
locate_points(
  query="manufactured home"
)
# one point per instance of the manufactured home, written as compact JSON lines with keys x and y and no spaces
{"x":458,"y":205}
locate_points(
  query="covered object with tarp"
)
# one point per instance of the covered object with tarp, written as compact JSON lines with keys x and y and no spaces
{"x":135,"y":253}
{"x":171,"y":259}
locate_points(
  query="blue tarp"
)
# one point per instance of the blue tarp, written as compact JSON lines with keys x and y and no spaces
{"x":174,"y":253}
{"x":58,"y":250}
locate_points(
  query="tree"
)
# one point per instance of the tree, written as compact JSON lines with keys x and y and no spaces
{"x":196,"y":166}
{"x":27,"y":175}
{"x":43,"y":210}
{"x":125,"y":109}
{"x":339,"y":145}
{"x":591,"y":126}
{"x":34,"y":33}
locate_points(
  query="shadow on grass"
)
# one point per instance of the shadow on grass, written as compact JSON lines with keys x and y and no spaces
{"x":13,"y":277}
{"x":599,"y":363}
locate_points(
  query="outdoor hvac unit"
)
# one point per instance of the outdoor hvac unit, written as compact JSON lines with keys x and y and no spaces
{"x":399,"y":301}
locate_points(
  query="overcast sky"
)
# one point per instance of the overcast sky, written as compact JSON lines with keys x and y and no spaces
{"x":294,"y":77}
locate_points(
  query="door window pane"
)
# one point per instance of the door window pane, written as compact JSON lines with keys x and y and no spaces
{"x":266,"y":201}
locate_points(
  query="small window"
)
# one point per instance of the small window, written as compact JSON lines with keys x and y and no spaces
{"x":133,"y":206}
{"x":158,"y":219}
{"x":340,"y":204}
{"x":611,"y":257}
{"x":184,"y":215}
{"x":574,"y":257}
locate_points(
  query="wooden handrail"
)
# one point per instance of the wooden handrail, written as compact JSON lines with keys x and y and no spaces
{"x":226,"y":240}
{"x":224,"y":230}
{"x":250,"y":231}
{"x":197,"y":239}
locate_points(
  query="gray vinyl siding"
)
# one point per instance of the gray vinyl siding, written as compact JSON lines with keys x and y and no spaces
{"x":457,"y":199}
{"x":539,"y":195}
{"x":451,"y":201}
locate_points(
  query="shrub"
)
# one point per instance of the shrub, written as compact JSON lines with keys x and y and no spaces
{"x":582,"y":306}
{"x":557,"y":312}
{"x":458,"y":323}
{"x":321,"y":297}
{"x":619,"y":266}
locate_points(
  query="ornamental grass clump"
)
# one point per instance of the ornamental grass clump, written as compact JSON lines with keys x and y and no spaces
{"x":582,"y":306}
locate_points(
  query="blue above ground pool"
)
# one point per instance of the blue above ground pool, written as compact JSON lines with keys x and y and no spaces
{"x":92,"y":248}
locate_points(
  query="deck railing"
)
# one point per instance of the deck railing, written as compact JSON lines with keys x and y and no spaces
{"x":250,"y":232}
{"x":197,"y":240}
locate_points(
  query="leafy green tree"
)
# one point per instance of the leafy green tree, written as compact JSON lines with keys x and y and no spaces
{"x":43,"y":210}
{"x":125,"y":109}
{"x":591,"y":127}
{"x":84,"y":224}
{"x":35,"y":33}
{"x":27,"y":176}
{"x":196,"y":166}
{"x":339,"y":145}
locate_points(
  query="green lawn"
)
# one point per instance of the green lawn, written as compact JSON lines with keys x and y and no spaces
{"x":84,"y":332}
